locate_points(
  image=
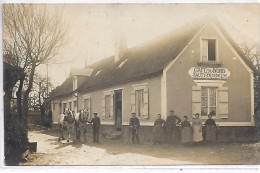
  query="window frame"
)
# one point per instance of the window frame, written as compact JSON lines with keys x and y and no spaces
{"x":144,"y":87}
{"x":64,"y":105}
{"x":208,"y":100}
{"x":210,"y":83}
{"x":216,"y":50}
{"x":137,"y":103}
{"x":109,"y":93}
{"x":85,"y":97}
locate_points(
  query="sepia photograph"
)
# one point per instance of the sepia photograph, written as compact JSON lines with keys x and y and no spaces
{"x":120,"y":84}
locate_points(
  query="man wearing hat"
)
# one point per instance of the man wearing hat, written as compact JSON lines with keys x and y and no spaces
{"x":96,"y":125}
{"x":134,"y":125}
{"x":171,"y":128}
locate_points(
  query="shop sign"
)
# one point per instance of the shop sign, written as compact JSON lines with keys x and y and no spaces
{"x":209,"y":73}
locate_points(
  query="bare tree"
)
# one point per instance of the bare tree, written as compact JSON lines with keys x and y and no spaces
{"x":252,"y":52}
{"x":32,"y":35}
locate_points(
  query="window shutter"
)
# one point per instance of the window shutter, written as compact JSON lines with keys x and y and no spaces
{"x":223,"y":102}
{"x":103,"y":106}
{"x":204,"y":50}
{"x":132,"y":102}
{"x":146,"y":104}
{"x":112,"y":105}
{"x":196,"y":100}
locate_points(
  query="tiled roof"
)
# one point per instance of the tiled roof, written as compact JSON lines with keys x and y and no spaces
{"x":150,"y":58}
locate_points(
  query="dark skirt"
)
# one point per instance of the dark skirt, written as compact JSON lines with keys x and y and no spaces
{"x":158,"y":134}
{"x":210,"y":133}
{"x":186,"y":135}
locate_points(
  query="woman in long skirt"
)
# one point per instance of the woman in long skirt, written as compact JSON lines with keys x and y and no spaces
{"x":197,"y":129}
{"x":159,"y":130}
{"x":210,"y":129}
{"x":186,"y":131}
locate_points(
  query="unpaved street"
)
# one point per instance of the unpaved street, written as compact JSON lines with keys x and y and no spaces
{"x":116,"y":152}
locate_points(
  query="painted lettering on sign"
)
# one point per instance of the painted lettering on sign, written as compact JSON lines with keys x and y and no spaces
{"x":209,"y":73}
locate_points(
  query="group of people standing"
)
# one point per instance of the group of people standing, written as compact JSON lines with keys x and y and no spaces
{"x":188,"y":132}
{"x":168,"y":130}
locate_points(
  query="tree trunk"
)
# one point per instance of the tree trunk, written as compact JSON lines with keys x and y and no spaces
{"x":26,"y":94}
{"x":19,"y":99}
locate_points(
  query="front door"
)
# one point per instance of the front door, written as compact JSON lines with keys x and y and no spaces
{"x":118,"y":108}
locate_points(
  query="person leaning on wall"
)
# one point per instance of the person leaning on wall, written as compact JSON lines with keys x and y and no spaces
{"x":159,"y":130}
{"x":171,"y":129}
{"x":211,"y":129}
{"x":186,"y":131}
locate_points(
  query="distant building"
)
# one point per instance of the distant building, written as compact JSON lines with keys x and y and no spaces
{"x":196,"y":69}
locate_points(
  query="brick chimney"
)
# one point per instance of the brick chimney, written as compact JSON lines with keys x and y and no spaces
{"x":120,"y":49}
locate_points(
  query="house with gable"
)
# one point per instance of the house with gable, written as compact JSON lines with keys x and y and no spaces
{"x":195,"y":69}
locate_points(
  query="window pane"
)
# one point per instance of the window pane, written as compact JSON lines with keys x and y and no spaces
{"x":139,"y":102}
{"x":208,"y":100}
{"x":211,"y":50}
{"x":64,"y":106}
{"x":204,"y":92}
{"x":212,"y":96}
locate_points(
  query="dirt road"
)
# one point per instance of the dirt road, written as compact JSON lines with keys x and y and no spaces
{"x":116,"y":152}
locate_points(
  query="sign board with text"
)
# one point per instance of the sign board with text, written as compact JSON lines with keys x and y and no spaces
{"x":209,"y":73}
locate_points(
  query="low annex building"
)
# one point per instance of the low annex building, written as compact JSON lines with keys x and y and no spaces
{"x":195,"y":69}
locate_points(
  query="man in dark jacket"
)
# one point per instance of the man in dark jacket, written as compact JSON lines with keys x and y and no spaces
{"x":171,"y":128}
{"x":96,"y":125}
{"x":134,"y":125}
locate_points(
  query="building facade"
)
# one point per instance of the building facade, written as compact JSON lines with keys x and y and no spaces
{"x":196,"y":69}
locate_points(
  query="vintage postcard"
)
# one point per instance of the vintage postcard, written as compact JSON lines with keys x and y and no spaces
{"x":131,"y":84}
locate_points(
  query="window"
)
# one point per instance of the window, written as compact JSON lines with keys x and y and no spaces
{"x":209,"y":98}
{"x":70,"y":105}
{"x":208,"y":50}
{"x":107,"y":106}
{"x":139,"y":102}
{"x":98,"y":72}
{"x":87,"y":104}
{"x":208,"y":101}
{"x":54,"y":106}
{"x":64,"y":106}
{"x":122,"y":63}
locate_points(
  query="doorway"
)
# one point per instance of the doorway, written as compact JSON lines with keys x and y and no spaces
{"x":118,"y":109}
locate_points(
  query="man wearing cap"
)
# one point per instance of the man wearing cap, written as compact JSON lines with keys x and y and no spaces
{"x":96,"y":125}
{"x":134,"y":125}
{"x":171,"y":128}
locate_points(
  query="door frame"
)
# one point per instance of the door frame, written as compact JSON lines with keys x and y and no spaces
{"x":115,"y":110}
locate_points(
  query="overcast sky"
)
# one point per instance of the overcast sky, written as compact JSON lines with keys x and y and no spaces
{"x":94,"y":29}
